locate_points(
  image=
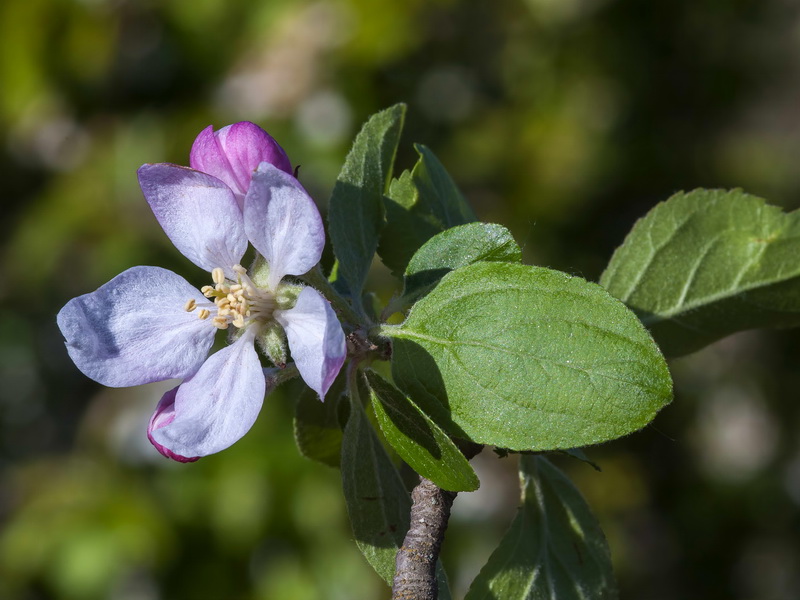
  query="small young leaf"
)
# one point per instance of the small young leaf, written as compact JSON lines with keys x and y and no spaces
{"x":419,"y":205}
{"x":554,"y":550}
{"x":708,"y":263}
{"x":356,"y":206}
{"x":317,"y":430}
{"x":418,"y":440}
{"x":438,"y":192}
{"x":377,"y":501}
{"x":527,"y":358}
{"x":454,"y":248}
{"x":407,"y":226}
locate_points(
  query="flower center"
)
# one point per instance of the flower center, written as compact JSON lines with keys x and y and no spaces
{"x":237,"y":303}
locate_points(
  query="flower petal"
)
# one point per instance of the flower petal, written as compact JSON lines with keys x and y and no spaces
{"x":207,"y":156}
{"x":315,"y":338}
{"x":163,"y":416}
{"x":218,"y":405}
{"x":283,"y":223}
{"x":198,"y":213}
{"x":134,"y":329}
{"x":233,"y":153}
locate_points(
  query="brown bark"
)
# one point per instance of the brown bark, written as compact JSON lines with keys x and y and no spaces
{"x":415,"y":565}
{"x":415,"y":573}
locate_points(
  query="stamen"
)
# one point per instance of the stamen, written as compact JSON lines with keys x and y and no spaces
{"x":190,"y":305}
{"x":235,"y":303}
{"x":244,"y":279}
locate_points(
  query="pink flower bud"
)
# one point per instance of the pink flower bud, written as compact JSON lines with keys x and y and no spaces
{"x":234,"y":152}
{"x":163,"y":416}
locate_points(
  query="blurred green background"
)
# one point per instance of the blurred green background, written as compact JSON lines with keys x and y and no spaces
{"x":564,"y":120}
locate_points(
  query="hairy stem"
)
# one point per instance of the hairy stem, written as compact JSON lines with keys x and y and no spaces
{"x":415,"y":565}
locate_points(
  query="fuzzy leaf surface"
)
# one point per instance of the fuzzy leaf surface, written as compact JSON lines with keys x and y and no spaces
{"x":377,"y":501}
{"x":454,"y":248}
{"x":438,"y":192}
{"x":356,"y":210}
{"x":554,"y":550}
{"x":527,"y":358}
{"x":317,"y":428}
{"x":420,"y":204}
{"x":706,"y":264}
{"x":418,"y":440}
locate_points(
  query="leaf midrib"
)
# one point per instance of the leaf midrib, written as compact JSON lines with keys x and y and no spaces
{"x":710,"y":299}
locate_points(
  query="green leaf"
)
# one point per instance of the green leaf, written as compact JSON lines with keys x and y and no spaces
{"x":377,"y":501}
{"x":356,"y":210}
{"x":527,"y":358}
{"x":418,"y":440}
{"x":554,"y":550}
{"x":336,"y":280}
{"x":317,"y":428}
{"x":454,"y":248}
{"x":580,"y":455}
{"x":438,"y":192}
{"x":419,"y":205}
{"x":407,"y":226}
{"x":706,"y":264}
{"x":442,"y":582}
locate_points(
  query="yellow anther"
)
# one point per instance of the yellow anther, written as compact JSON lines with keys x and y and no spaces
{"x":238,"y":304}
{"x":190,"y":305}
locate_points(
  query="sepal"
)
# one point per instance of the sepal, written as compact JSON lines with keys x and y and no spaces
{"x":272,"y":342}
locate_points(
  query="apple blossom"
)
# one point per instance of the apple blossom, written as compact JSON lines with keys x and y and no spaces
{"x":149,"y":324}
